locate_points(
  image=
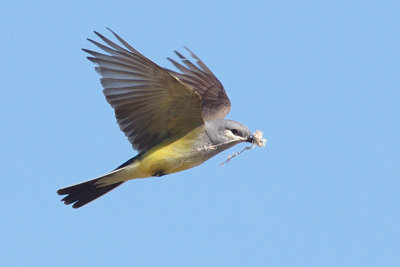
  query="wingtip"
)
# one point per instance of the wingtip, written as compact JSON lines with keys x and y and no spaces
{"x":170,"y":59}
{"x":92,"y":59}
{"x":179,"y":55}
{"x":87,"y":50}
{"x":108,"y":28}
{"x":100,"y":36}
{"x":91,"y":40}
{"x":115,"y":35}
{"x":187,"y":49}
{"x":191,"y":53}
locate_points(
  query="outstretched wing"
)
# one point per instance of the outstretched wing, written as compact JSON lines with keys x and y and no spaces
{"x":150,"y":104}
{"x":215,"y":103}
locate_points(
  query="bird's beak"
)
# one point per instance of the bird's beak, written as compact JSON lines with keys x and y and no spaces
{"x":250,"y":138}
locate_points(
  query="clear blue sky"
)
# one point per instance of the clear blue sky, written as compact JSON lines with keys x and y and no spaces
{"x":320,"y":78}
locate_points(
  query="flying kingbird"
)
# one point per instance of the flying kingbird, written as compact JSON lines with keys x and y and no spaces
{"x":174,"y":120}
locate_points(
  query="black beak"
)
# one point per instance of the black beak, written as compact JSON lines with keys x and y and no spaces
{"x":250,"y":138}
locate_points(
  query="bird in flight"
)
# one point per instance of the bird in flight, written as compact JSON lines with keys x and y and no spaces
{"x":175,"y":120}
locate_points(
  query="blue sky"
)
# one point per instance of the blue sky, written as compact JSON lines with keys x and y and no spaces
{"x":320,"y":78}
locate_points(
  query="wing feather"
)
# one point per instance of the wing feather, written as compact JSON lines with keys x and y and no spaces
{"x":150,"y":103}
{"x":215,"y":103}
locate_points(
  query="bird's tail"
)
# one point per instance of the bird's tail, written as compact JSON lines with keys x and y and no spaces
{"x":83,"y":193}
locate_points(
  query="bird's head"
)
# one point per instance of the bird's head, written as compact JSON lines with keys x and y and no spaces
{"x":228,"y":133}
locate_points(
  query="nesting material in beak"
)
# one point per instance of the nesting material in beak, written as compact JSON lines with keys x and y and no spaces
{"x":256,"y":140}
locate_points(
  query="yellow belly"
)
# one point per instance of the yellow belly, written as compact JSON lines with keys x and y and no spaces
{"x":176,"y":156}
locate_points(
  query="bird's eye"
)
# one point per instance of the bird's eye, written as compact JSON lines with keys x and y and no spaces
{"x":234,"y":131}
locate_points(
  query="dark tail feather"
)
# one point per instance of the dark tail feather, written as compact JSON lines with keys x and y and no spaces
{"x":83,"y":193}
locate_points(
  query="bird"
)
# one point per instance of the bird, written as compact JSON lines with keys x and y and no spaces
{"x":175,"y":120}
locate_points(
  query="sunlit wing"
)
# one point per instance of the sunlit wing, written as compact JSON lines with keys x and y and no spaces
{"x":150,"y":104}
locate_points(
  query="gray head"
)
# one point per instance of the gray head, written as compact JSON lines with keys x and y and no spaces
{"x":227,"y":133}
